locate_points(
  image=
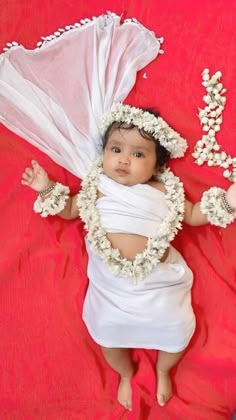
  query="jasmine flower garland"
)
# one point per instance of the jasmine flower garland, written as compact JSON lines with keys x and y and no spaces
{"x":147,"y":260}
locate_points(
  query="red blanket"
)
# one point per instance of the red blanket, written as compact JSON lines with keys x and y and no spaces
{"x":50,"y":367}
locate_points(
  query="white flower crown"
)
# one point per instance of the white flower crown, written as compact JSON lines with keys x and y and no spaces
{"x":148,"y":122}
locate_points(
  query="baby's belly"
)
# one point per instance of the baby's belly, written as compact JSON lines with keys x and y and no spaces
{"x":129,"y":244}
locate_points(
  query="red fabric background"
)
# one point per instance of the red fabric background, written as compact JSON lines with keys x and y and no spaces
{"x":50,"y":367}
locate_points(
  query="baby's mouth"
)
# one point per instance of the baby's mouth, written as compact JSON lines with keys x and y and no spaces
{"x":122,"y":171}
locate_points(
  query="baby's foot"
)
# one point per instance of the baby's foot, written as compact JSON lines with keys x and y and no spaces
{"x":124,"y":394}
{"x":164,"y":387}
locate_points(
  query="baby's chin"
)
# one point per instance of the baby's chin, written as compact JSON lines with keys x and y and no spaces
{"x":123,"y":180}
{"x":119,"y":179}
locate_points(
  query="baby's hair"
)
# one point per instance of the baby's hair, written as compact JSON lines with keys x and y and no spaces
{"x":162,"y":153}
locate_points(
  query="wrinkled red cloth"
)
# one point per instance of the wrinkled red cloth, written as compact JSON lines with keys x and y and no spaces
{"x":50,"y":367}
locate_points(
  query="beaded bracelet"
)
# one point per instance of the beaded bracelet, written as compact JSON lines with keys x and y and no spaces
{"x":47,"y":190}
{"x":226,"y":205}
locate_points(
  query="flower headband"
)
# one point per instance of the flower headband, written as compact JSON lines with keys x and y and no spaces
{"x":148,"y":122}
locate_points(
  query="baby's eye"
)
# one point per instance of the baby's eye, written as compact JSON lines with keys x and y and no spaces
{"x":115,"y":149}
{"x":138,"y":154}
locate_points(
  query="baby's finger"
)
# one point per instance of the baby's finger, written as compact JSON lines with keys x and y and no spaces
{"x":24,"y":182}
{"x":26,"y":176}
{"x":29,"y":171}
{"x":34,"y":163}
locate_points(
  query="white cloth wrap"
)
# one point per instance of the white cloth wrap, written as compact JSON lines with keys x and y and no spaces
{"x":153,"y":314}
{"x":156,"y":312}
{"x":54,"y":96}
{"x":130,"y":209}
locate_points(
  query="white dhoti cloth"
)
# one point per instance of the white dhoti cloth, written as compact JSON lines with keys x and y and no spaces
{"x":154,"y":314}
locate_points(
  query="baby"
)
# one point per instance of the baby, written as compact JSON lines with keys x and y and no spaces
{"x":139,"y":292}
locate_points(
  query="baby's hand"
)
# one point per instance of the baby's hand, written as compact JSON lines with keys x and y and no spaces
{"x":231,"y":195}
{"x":36,"y":177}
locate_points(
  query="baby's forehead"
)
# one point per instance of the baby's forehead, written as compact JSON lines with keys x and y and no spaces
{"x":128,"y":135}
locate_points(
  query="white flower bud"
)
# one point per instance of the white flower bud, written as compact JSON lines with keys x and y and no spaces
{"x":213,"y":79}
{"x":201,"y":113}
{"x":223,"y":155}
{"x":217,"y":96}
{"x":227,"y":173}
{"x":218,"y":74}
{"x":211,"y":122}
{"x":225,"y":165}
{"x":212,"y":105}
{"x":199,"y":162}
{"x":206,"y":99}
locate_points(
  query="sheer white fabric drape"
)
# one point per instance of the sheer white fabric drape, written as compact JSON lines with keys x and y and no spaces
{"x":54,"y":96}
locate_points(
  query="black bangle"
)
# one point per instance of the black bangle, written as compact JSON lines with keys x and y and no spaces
{"x":226,"y":205}
{"x":48,"y":190}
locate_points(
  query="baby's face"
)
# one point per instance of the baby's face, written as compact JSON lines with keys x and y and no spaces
{"x":128,"y":158}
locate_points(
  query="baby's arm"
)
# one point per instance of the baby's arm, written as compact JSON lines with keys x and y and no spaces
{"x":37,"y":179}
{"x":71,"y":210}
{"x":216,"y":206}
{"x":193,"y":215}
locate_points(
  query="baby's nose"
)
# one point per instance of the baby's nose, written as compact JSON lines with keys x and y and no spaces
{"x":124,"y":159}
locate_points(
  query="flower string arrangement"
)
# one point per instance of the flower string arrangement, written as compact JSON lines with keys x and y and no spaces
{"x":207,"y":150}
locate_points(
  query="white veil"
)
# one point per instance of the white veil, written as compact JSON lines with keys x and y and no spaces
{"x":54,"y":96}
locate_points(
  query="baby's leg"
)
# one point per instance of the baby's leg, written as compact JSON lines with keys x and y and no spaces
{"x":165,"y":362}
{"x":120,"y":361}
